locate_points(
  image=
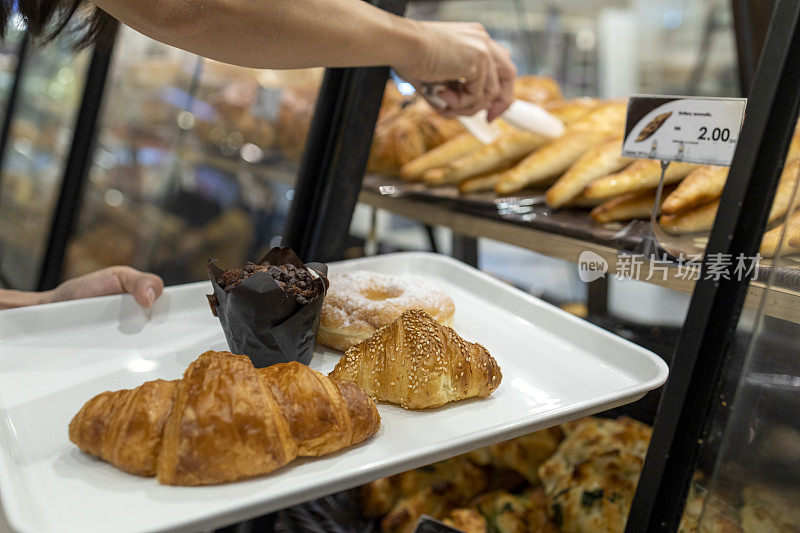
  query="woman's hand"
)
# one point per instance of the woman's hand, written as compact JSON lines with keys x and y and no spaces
{"x":144,"y":287}
{"x":463,"y":52}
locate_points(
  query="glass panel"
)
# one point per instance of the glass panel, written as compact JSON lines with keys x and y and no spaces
{"x":755,"y":431}
{"x":195,"y":160}
{"x":9,"y":50}
{"x":609,"y":47}
{"x":33,"y":164}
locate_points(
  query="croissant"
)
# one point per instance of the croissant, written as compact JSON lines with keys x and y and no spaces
{"x":418,"y":363}
{"x":638,"y":176}
{"x":558,"y":155}
{"x":224,"y":420}
{"x":603,"y":159}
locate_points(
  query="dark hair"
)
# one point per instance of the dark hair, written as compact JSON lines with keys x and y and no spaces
{"x":48,"y":18}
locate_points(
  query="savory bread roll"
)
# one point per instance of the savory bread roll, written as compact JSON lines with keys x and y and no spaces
{"x":536,"y":89}
{"x":701,"y":186}
{"x":791,"y":239}
{"x":702,"y":218}
{"x":640,"y":175}
{"x":510,"y":147}
{"x":786,"y":195}
{"x":458,"y":146}
{"x":599,"y":161}
{"x":571,"y":109}
{"x":628,"y":206}
{"x":697,"y":219}
{"x":555,"y":157}
{"x":582,"y":201}
{"x":482,"y":183}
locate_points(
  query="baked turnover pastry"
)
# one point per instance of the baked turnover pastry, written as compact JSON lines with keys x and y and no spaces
{"x":223,"y":421}
{"x":418,"y":363}
{"x":360,"y":302}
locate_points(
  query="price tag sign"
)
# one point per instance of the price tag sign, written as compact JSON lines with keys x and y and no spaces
{"x":690,"y":129}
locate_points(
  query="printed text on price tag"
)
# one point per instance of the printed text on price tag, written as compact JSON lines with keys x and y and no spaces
{"x":690,"y":129}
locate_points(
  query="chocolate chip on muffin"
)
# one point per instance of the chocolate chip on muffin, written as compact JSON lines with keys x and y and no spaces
{"x":291,"y":279}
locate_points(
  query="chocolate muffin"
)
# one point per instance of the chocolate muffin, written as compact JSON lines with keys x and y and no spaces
{"x":291,"y":279}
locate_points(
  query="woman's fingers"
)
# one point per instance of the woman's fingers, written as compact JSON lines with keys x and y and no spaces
{"x":506,"y":74}
{"x":145,"y":287}
{"x":464,"y":53}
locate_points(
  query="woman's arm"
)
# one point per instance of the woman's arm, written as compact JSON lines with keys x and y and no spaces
{"x":330,"y":33}
{"x":144,"y":287}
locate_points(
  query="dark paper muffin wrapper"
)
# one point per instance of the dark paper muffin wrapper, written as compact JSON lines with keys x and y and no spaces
{"x":262,"y":321}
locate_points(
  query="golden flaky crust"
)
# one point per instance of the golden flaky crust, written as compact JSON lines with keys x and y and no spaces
{"x":225,"y":420}
{"x":419,"y":363}
{"x":360,"y":302}
{"x":124,"y":427}
{"x":223,"y":425}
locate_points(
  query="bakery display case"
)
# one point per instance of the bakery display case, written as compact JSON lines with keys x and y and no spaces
{"x":195,"y":160}
{"x":192,"y":159}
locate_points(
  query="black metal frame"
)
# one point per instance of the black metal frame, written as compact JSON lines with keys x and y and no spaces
{"x":335,"y":157}
{"x":13,"y":95}
{"x":751,"y":21}
{"x":77,"y":165}
{"x":703,"y":349}
{"x":10,"y":110}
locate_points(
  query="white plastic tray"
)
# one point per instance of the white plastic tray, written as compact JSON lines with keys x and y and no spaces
{"x":55,"y":357}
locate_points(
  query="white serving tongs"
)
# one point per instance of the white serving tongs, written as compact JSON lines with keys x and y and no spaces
{"x":521,"y":114}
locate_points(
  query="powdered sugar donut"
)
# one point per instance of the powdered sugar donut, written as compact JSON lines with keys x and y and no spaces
{"x":360,"y":302}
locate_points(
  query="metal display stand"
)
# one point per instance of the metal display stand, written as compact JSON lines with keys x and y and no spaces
{"x":335,"y":157}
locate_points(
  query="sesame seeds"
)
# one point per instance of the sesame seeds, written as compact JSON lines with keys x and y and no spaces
{"x":428,"y":359}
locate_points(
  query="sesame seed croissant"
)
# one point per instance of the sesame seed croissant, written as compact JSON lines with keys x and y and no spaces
{"x":418,"y":363}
